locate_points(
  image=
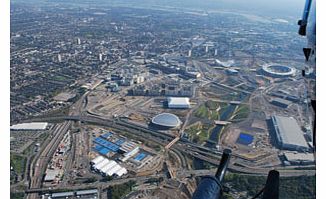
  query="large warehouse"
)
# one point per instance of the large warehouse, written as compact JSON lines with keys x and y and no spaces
{"x":107,"y":167}
{"x":288,"y":133}
{"x":33,"y":126}
{"x":178,"y":102}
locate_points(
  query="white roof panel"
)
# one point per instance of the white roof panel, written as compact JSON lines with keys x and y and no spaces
{"x":101,"y":164}
{"x":289,"y":131}
{"x":122,"y":171}
{"x":85,"y":192}
{"x":108,"y":166}
{"x":178,"y":101}
{"x":97,"y":160}
{"x":30,"y":126}
{"x":113,"y":170}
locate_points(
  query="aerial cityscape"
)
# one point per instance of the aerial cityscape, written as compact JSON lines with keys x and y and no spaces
{"x":139,"y":101}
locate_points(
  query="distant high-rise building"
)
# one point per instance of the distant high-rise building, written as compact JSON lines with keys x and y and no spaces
{"x":189,"y":53}
{"x":59,"y":58}
{"x":78,"y":41}
{"x":100,"y":57}
{"x":206,"y":49}
{"x":215,"y":53}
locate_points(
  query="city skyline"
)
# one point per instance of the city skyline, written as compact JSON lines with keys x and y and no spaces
{"x":130,"y":100}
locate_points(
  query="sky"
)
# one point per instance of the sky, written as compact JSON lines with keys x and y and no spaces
{"x":268,"y":7}
{"x":273,"y":8}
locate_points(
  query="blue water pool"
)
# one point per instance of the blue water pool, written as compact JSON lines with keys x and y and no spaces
{"x":245,"y":139}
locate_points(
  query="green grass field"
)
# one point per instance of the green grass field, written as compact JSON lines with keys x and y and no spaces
{"x":18,"y":163}
{"x":242,"y":112}
{"x":208,"y":110}
{"x":17,"y":195}
{"x":199,"y":133}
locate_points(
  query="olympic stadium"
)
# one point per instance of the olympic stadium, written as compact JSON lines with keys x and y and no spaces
{"x":274,"y":70}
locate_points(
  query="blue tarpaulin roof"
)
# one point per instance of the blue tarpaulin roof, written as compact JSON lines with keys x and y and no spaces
{"x":140,"y":156}
{"x":119,"y":142}
{"x":106,"y":135}
{"x":109,"y":145}
{"x":104,"y":151}
{"x":101,"y":149}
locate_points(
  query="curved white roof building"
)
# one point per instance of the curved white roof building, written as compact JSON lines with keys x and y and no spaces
{"x":167,"y":120}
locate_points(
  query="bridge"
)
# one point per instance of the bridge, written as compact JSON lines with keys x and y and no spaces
{"x":223,"y":123}
{"x":172,"y":142}
{"x":231,"y":88}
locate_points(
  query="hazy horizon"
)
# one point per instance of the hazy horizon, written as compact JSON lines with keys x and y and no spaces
{"x":273,"y":8}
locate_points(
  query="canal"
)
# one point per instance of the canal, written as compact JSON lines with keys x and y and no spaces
{"x":225,"y":116}
{"x":213,"y":138}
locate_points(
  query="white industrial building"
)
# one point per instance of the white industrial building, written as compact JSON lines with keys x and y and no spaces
{"x":97,"y":160}
{"x":289,"y":134}
{"x":30,"y":126}
{"x":130,"y":149}
{"x":51,"y":175}
{"x":299,"y":158}
{"x":69,"y":194}
{"x":101,"y":164}
{"x":178,"y":102}
{"x":90,"y":193}
{"x":107,"y":167}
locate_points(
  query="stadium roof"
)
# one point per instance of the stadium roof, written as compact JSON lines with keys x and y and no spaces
{"x":167,"y":120}
{"x":280,"y":70}
{"x":289,"y":131}
{"x":30,"y":126}
{"x":178,"y":102}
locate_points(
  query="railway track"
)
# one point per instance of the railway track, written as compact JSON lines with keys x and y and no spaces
{"x":195,"y":150}
{"x":36,"y":175}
